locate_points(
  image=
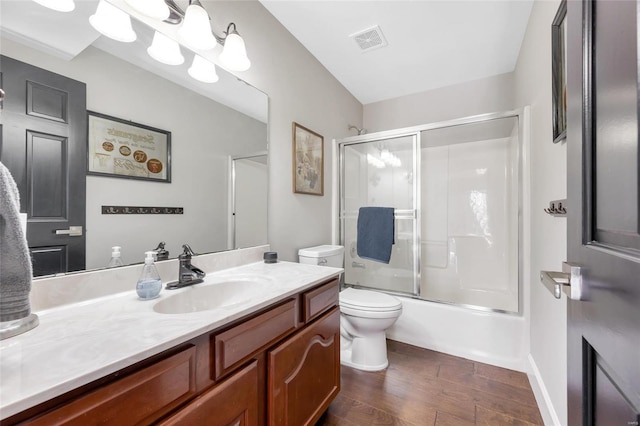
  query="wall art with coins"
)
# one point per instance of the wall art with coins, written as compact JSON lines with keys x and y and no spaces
{"x":124,"y":149}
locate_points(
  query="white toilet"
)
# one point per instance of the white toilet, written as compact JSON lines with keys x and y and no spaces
{"x":364,"y":315}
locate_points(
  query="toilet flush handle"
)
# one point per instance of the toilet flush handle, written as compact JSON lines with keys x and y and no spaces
{"x":322,"y":261}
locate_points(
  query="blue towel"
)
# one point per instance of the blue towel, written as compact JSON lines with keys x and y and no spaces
{"x":375,"y":233}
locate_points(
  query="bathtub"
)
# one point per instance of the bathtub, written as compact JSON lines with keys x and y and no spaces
{"x":493,"y":338}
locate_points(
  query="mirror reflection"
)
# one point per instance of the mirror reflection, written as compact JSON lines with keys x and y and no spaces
{"x":218,"y":130}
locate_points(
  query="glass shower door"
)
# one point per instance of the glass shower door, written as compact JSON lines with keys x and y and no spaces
{"x":381,"y":173}
{"x":469,"y":213}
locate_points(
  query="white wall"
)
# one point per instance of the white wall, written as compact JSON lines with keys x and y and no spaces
{"x":199,"y":157}
{"x":300,"y":89}
{"x":461,"y":100}
{"x":548,"y":234}
{"x":251,"y":188}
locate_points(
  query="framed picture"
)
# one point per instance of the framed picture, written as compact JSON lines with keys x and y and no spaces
{"x":308,"y":161}
{"x":559,"y":73}
{"x":124,"y":149}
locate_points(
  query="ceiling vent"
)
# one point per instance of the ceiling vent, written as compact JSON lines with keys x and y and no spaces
{"x":370,"y":39}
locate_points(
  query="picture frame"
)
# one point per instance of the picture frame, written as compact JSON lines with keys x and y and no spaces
{"x":308,"y":161}
{"x":125,"y":149}
{"x":559,"y":73}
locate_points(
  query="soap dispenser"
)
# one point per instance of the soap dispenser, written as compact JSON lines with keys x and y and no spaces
{"x":115,"y":258}
{"x":149,"y":284}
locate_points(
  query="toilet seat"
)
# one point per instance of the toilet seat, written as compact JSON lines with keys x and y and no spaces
{"x":352,"y":299}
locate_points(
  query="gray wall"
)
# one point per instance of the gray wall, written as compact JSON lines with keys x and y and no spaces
{"x":548,"y":316}
{"x":475,"y":97}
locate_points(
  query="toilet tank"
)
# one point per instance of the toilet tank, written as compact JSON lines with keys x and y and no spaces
{"x":322,"y":255}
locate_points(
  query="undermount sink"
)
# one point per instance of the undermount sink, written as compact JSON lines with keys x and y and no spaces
{"x":204,"y":297}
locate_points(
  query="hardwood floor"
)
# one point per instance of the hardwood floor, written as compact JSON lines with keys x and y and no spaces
{"x":423,"y":387}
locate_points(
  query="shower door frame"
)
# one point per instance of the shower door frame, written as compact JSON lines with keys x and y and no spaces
{"x":519,"y":114}
{"x":415,"y":212}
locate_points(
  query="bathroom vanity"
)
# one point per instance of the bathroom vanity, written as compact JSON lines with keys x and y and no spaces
{"x":270,"y":356}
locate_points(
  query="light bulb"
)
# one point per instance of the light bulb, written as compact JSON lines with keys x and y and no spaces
{"x":234,"y":54}
{"x":59,"y":5}
{"x":203,"y":70}
{"x":156,"y":9}
{"x":112,"y":22}
{"x":195,"y":29}
{"x":165,"y":50}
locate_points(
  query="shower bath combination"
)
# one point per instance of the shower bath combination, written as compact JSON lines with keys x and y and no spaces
{"x":455,"y":188}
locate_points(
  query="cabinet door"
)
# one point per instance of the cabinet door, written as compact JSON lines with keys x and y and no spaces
{"x":233,"y":402}
{"x":304,"y":373}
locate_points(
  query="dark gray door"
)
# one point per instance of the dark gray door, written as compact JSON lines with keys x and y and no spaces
{"x":43,"y":144}
{"x":603,"y":212}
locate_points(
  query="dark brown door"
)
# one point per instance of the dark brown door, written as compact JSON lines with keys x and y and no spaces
{"x":603,"y":212}
{"x":43,"y":144}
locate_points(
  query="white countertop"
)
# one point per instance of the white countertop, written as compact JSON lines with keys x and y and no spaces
{"x":79,"y":343}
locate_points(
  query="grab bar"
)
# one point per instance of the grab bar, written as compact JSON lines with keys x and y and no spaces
{"x":358,"y":265}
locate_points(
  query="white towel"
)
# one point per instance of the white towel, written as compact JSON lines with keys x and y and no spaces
{"x":15,"y":261}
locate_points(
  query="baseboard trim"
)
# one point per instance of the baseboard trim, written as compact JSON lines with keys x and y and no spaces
{"x":548,"y":413}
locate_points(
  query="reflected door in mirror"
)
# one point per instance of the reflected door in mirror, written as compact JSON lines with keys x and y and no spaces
{"x":43,"y":145}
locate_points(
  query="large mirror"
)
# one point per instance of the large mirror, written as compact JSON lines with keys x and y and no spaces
{"x":218,"y":132}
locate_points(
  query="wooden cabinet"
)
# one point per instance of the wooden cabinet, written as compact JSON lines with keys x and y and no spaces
{"x":319,"y":300}
{"x":136,"y":399}
{"x":244,"y":340}
{"x":304,"y":373}
{"x":279,"y":365}
{"x":233,"y":402}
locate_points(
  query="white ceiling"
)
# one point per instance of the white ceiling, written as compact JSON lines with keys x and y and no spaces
{"x":431,"y":43}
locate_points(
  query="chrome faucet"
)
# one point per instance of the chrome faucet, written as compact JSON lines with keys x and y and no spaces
{"x":187,"y":273}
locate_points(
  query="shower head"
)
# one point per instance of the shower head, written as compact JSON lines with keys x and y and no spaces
{"x":360,"y":131}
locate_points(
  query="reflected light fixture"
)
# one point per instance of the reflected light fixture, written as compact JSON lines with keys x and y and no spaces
{"x":156,"y":9}
{"x":112,"y":22}
{"x":59,"y":5}
{"x":165,"y":50}
{"x":195,"y":29}
{"x":234,"y":53}
{"x":203,"y":70}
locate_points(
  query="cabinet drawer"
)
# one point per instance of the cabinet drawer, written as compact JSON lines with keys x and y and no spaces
{"x":319,"y":300}
{"x":139,"y":398}
{"x":239,"y":343}
{"x":233,"y":402}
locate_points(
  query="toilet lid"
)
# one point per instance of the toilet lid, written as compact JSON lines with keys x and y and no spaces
{"x":368,"y":300}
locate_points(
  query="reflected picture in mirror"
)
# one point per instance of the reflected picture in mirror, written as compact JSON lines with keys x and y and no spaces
{"x":212,"y":125}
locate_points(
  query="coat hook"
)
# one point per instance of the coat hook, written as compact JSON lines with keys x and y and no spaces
{"x":557,"y":208}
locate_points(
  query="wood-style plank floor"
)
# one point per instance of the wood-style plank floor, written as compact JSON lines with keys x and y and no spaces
{"x":423,"y":387}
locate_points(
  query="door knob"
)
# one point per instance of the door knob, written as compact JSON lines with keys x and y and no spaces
{"x":568,"y":281}
{"x":73,"y":231}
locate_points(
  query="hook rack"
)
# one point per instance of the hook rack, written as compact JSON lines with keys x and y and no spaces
{"x":557,"y":208}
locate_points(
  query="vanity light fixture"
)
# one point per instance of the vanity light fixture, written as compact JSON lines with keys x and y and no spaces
{"x":112,"y":22}
{"x":195,"y":29}
{"x":234,"y":53}
{"x":156,"y":9}
{"x":165,"y":50}
{"x":203,"y":70}
{"x":59,"y":5}
{"x":196,"y":32}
